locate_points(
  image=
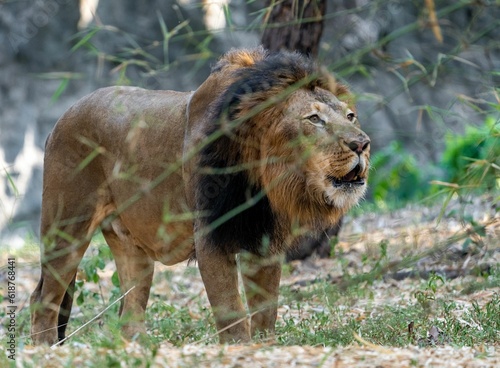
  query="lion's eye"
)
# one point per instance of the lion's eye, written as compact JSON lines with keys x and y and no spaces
{"x":316,"y":120}
{"x":351,"y":116}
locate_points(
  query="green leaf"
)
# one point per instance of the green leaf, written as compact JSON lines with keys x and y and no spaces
{"x":80,"y":299}
{"x":115,"y":279}
{"x":62,"y":87}
{"x":12,"y":184}
{"x":85,"y":39}
{"x":445,"y":204}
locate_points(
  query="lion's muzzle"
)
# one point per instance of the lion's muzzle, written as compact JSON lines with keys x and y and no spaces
{"x":352,"y":178}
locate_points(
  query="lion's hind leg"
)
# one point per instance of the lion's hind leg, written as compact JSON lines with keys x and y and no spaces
{"x":69,"y":203}
{"x":135,"y":272}
{"x":64,"y":309}
{"x":52,"y":299}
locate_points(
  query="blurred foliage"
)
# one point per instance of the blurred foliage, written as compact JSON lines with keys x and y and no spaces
{"x":473,"y":158}
{"x":396,"y":176}
{"x":469,"y":161}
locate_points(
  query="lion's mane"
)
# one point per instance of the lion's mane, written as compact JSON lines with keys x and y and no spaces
{"x":230,"y":193}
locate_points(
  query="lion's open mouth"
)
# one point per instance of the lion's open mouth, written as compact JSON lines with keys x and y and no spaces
{"x":350,"y":179}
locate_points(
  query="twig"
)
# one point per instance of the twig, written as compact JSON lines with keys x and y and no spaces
{"x":370,"y":345}
{"x":227,"y":327}
{"x":93,"y":319}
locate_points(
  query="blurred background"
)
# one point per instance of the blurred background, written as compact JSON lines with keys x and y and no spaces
{"x":426,"y":75}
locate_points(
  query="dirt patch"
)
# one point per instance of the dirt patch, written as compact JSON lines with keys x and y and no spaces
{"x":461,"y":251}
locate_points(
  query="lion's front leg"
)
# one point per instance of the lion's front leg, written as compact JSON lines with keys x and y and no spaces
{"x":261,"y":277}
{"x":220,"y":276}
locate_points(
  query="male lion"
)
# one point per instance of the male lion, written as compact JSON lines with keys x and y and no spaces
{"x":263,"y":147}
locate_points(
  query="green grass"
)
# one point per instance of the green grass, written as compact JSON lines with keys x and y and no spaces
{"x":324,"y":312}
{"x":319,"y":314}
{"x":432,"y":303}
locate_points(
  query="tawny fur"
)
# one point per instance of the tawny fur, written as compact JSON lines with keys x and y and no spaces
{"x":270,"y":137}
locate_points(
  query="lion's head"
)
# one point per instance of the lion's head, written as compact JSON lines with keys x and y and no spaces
{"x":286,"y":149}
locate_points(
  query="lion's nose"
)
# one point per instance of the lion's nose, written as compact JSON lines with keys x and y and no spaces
{"x":359,"y":146}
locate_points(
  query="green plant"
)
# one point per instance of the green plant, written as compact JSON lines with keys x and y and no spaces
{"x":473,"y":158}
{"x":95,"y":260}
{"x":396,"y":176}
{"x":470,"y":161}
{"x":428,"y":295}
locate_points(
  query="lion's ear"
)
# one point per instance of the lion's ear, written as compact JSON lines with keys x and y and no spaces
{"x":341,"y":91}
{"x":344,"y":94}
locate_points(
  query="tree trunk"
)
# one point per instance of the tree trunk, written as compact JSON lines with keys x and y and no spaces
{"x":294,"y":25}
{"x":297,"y":25}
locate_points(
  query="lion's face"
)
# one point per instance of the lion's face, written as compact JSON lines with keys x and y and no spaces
{"x":320,"y":154}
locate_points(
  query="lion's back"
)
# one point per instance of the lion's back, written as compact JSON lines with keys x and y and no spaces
{"x":121,"y":120}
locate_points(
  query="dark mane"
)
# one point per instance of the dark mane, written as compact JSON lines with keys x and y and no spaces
{"x":269,"y":77}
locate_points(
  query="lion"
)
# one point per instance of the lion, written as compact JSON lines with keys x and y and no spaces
{"x":267,"y":146}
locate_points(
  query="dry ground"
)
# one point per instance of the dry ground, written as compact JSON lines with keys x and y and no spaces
{"x":410,"y":231}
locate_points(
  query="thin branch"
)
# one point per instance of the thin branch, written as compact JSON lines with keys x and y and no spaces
{"x":93,"y":319}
